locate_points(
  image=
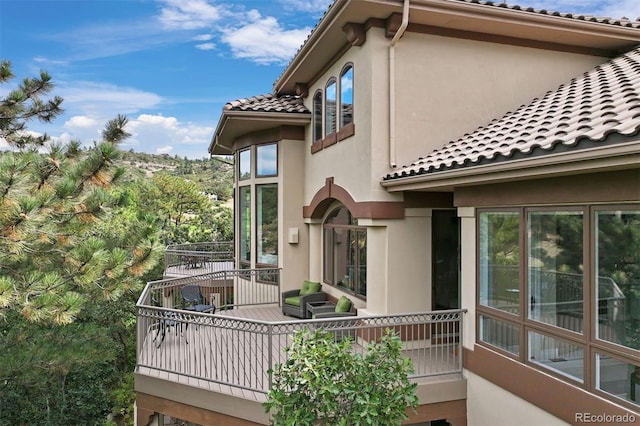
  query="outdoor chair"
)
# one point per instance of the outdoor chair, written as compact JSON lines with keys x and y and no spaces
{"x":329,"y":310}
{"x":193,"y":300}
{"x":294,"y":302}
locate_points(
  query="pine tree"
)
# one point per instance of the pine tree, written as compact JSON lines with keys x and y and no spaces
{"x":54,"y":255}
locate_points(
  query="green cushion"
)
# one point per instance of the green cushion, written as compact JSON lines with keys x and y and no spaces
{"x":343,"y":305}
{"x":309,"y":287}
{"x":294,"y":300}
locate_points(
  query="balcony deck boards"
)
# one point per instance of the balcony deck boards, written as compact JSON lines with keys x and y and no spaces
{"x":184,"y":350}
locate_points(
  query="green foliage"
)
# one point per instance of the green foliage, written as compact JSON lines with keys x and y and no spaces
{"x":325,"y":382}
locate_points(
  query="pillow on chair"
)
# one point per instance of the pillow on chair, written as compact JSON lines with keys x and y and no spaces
{"x":343,"y":305}
{"x":309,"y":287}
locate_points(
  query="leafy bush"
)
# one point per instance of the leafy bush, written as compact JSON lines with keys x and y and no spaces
{"x":325,"y":382}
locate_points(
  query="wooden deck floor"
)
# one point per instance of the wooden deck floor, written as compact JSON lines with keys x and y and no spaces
{"x":206,"y":357}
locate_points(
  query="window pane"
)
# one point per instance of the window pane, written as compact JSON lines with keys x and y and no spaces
{"x":555,"y":269}
{"x":245,"y":223}
{"x":328,"y":267}
{"x":618,"y":378}
{"x":317,"y":117}
{"x":267,"y":223}
{"x":618,"y":277}
{"x":330,"y":108}
{"x":557,"y":355}
{"x":267,"y":160}
{"x":500,"y":260}
{"x":500,"y":334}
{"x":346,"y":97}
{"x":245,"y":164}
{"x":362,"y":263}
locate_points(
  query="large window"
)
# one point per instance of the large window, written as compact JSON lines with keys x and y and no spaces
{"x":267,"y":224}
{"x":258,"y":206}
{"x":559,"y":289}
{"x":345,"y":252}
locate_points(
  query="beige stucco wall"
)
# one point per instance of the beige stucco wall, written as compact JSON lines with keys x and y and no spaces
{"x":490,"y":405}
{"x":293,"y":257}
{"x":447,"y":86}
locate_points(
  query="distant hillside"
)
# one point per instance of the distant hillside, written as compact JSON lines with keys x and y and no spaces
{"x":214,"y":176}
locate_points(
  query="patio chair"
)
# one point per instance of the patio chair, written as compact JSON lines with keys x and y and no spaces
{"x":294,"y":302}
{"x":340,"y":309}
{"x":193,"y":300}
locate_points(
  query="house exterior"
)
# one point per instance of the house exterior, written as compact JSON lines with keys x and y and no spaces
{"x":425,"y":155}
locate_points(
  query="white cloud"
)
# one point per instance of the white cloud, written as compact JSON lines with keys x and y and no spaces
{"x":105,"y":100}
{"x":80,"y":121}
{"x":203,"y":37}
{"x":188,"y":14}
{"x":263,"y":40}
{"x":206,"y":46}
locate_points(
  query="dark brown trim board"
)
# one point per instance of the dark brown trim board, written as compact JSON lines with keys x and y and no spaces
{"x":550,"y":394}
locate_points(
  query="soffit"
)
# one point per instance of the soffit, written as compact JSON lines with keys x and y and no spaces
{"x":484,"y":17}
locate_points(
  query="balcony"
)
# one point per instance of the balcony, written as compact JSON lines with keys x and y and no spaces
{"x":183,"y":260}
{"x":220,"y":361}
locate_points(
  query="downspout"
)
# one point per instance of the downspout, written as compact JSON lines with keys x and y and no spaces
{"x":392,"y":85}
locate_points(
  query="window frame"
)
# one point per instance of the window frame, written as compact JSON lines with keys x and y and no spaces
{"x":259,"y":225}
{"x":588,"y":341}
{"x":318,"y":115}
{"x":341,"y":119}
{"x":359,"y":284}
{"x":257,"y":157}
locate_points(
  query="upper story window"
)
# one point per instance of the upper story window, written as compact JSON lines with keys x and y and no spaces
{"x":317,"y":116}
{"x":330,"y":107}
{"x":346,"y":96}
{"x":244,"y":166}
{"x":267,"y":160}
{"x":333,"y":110}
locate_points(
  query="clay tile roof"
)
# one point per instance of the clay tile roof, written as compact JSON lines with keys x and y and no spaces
{"x":602,"y":101}
{"x":269,"y":103}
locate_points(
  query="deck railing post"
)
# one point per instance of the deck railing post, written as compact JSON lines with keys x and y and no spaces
{"x":270,"y":357}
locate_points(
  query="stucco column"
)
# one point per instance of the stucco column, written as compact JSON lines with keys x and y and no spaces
{"x":467,"y":217}
{"x":314,"y":227}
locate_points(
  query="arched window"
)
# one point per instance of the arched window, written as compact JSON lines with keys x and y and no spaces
{"x":345,"y":252}
{"x":317,"y":116}
{"x":330,"y":98}
{"x":346,"y":96}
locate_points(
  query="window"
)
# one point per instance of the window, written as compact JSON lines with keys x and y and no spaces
{"x":244,"y":171}
{"x":317,"y":116}
{"x":559,"y":289}
{"x":345,"y":252}
{"x":245,"y":224}
{"x":330,"y":107}
{"x":267,"y":160}
{"x":346,"y":96}
{"x":267,"y":224}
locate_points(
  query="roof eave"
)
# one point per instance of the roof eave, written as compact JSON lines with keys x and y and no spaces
{"x":614,"y":157}
{"x":236,"y":123}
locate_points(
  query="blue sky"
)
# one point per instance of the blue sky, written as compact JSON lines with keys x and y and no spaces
{"x":171,"y":65}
